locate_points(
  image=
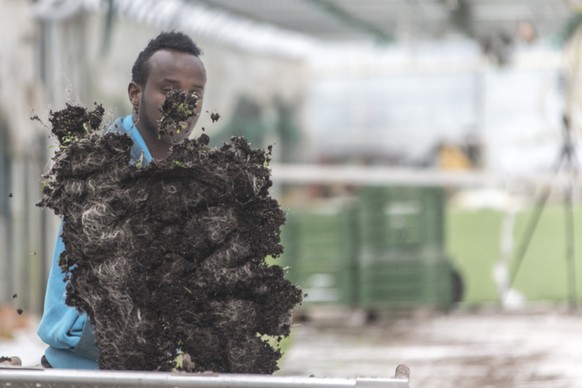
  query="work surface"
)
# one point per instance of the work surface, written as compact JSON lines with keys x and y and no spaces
{"x":462,"y":349}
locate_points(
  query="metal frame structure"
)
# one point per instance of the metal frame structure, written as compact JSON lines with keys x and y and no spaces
{"x":382,"y":176}
{"x":334,"y":20}
{"x":64,"y":378}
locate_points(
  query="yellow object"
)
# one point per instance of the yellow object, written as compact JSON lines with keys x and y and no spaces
{"x":451,"y":157}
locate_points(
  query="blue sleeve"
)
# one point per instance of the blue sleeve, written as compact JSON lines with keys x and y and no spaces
{"x":63,"y":327}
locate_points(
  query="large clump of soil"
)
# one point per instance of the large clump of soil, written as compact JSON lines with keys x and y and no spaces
{"x":170,"y":258}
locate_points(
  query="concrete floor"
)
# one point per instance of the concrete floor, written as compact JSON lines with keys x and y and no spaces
{"x":460,"y":349}
{"x":473,"y":349}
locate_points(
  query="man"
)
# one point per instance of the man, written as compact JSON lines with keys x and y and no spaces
{"x":169,"y":61}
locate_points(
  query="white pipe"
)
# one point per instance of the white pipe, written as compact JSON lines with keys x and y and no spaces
{"x":382,"y":175}
{"x":66,"y":378}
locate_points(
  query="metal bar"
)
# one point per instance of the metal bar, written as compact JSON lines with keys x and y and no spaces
{"x":64,"y":378}
{"x":349,"y":19}
{"x":381,"y":175}
{"x":530,"y":230}
{"x":570,"y":248}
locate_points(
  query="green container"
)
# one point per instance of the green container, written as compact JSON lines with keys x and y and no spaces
{"x":320,"y":252}
{"x":402,"y":261}
{"x":401,"y":216}
{"x":407,"y":283}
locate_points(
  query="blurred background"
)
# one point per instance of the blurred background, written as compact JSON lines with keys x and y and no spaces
{"x":425,"y":151}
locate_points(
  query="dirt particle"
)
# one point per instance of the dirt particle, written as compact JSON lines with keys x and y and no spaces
{"x":19,"y":311}
{"x":214,"y":117}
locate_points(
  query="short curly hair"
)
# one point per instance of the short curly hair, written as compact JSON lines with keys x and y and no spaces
{"x":171,"y":40}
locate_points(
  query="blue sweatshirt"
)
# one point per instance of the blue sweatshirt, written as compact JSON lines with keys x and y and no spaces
{"x":68,"y":333}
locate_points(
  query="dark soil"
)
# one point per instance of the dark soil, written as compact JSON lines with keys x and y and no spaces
{"x":75,"y":122}
{"x":170,"y":258}
{"x":177,"y":108}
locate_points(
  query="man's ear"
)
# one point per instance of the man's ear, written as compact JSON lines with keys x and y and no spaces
{"x":134,"y":94}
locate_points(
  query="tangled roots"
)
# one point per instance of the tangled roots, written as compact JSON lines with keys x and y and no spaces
{"x":170,"y":258}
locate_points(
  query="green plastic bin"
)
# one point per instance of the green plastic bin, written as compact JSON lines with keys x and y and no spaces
{"x":402,"y":261}
{"x":320,"y":252}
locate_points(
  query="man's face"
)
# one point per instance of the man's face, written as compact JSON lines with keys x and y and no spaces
{"x":169,"y":70}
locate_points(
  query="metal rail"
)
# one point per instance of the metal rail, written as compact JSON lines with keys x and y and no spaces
{"x":64,"y":378}
{"x":382,"y":176}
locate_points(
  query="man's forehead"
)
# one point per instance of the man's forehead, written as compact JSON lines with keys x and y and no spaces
{"x":166,"y":60}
